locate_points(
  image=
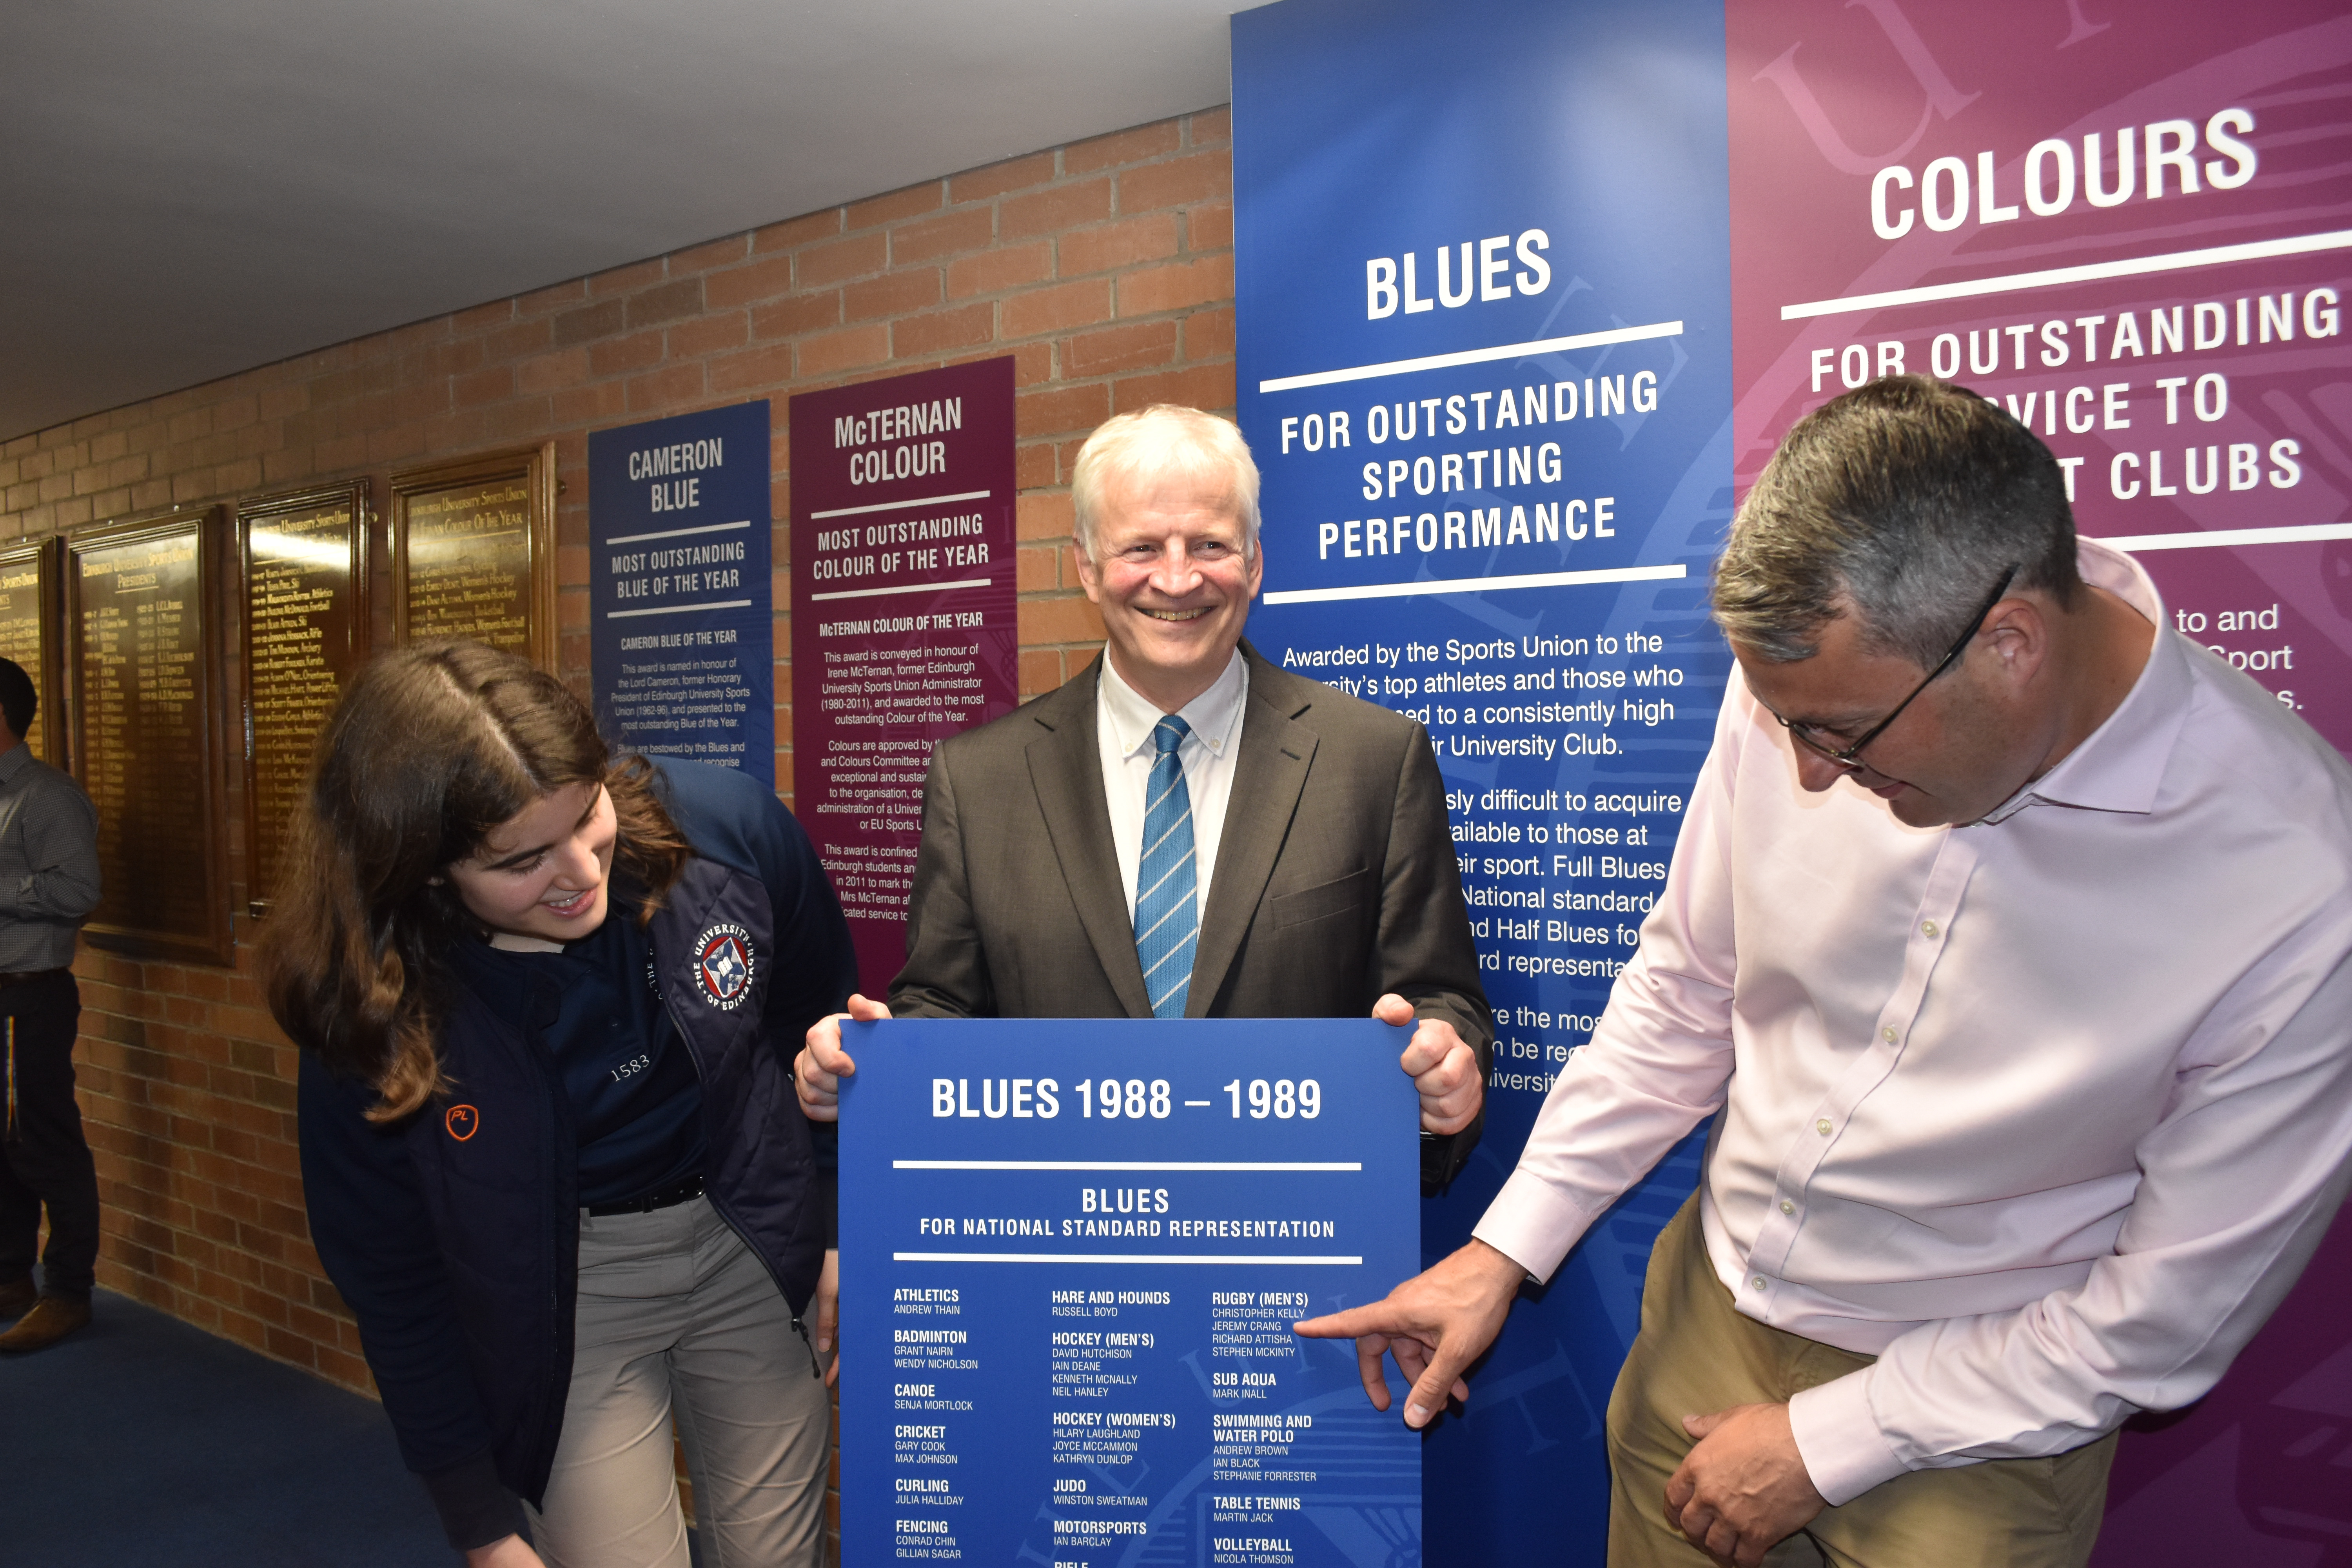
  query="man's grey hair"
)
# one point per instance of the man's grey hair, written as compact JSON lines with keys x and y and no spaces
{"x":1901,"y":504}
{"x":1161,"y":440}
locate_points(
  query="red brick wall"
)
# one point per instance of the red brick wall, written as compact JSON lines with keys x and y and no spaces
{"x":1104,"y":267}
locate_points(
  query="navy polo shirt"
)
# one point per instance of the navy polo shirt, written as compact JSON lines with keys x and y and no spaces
{"x":637,"y":1100}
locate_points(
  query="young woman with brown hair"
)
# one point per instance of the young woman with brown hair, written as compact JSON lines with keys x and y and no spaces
{"x":547,"y":1002}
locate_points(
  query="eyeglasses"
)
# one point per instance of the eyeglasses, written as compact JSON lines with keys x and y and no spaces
{"x":1848,"y":757}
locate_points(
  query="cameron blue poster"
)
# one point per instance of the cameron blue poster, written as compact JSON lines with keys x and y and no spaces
{"x":1485,"y":369}
{"x":681,"y":638}
{"x":1071,"y":1253}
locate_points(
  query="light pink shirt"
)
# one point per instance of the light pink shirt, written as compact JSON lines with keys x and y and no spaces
{"x":2046,"y":1111}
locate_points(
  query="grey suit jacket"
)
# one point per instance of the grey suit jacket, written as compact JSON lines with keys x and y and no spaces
{"x":1335,"y":879}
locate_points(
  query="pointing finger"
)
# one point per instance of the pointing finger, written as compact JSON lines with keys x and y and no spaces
{"x":1354,"y":1323}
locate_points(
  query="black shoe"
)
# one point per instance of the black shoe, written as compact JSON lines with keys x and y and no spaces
{"x":51,"y":1319}
{"x":16,"y":1299}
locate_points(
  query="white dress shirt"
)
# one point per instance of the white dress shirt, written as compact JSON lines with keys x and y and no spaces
{"x":1123,"y":725}
{"x":2045,"y":1112}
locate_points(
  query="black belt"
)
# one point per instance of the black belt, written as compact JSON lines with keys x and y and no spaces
{"x":27,"y":977}
{"x":667,"y":1197}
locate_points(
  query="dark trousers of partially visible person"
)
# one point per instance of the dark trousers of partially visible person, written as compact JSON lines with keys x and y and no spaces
{"x":1696,"y":1355}
{"x":44,"y":1159}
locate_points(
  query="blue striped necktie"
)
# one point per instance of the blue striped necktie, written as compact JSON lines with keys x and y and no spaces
{"x":1167,"y":913}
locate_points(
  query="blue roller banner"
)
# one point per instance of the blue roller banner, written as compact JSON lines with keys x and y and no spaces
{"x":681,"y":623}
{"x":1071,"y":1253}
{"x":1486,"y":368}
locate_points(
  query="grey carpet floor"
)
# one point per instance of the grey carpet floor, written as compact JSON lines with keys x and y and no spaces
{"x":143,"y":1441}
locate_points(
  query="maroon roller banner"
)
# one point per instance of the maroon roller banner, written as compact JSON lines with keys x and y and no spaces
{"x":2130,"y":225}
{"x":903,"y":620}
{"x":2132,"y":232}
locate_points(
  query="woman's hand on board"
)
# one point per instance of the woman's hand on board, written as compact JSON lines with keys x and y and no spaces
{"x":818,"y":1070}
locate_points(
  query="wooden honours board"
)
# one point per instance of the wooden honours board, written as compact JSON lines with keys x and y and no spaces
{"x":306,"y":631}
{"x":473,"y":552}
{"x":30,"y":589}
{"x":146,"y":707}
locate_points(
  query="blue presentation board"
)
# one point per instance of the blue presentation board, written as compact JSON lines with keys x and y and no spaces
{"x":681,"y":618}
{"x":1071,"y":1253}
{"x":1484,"y":316}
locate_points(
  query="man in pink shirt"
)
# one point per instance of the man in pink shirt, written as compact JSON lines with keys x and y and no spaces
{"x":2008,"y":932}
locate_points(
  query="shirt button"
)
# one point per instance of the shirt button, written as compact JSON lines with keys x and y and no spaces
{"x":1822,"y":1127}
{"x":1887,"y":1033}
{"x":1927,"y":928}
{"x":1758,"y":1282}
{"x":1788,"y":1207}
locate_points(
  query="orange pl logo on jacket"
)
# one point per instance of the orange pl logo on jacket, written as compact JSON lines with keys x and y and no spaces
{"x":463,"y":1121}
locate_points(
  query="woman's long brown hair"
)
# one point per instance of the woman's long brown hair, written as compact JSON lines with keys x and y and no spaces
{"x":432,"y":749}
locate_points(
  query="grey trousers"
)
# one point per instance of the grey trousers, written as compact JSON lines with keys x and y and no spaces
{"x":676,"y":1316}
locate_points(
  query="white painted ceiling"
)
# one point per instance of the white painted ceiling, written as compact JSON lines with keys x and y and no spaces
{"x":189,"y":188}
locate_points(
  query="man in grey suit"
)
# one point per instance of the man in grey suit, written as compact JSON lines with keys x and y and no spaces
{"x":1184,"y":829}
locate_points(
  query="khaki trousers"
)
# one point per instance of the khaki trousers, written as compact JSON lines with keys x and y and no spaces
{"x":1696,"y":1355}
{"x":676,"y":1315}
